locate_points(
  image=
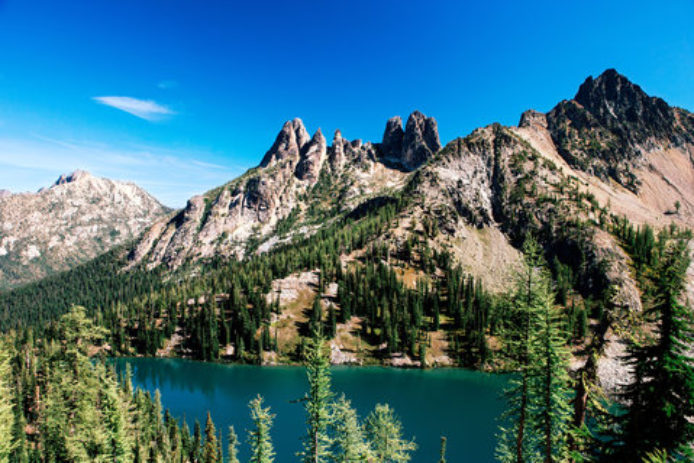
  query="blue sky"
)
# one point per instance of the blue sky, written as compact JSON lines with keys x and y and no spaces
{"x":203,"y":87}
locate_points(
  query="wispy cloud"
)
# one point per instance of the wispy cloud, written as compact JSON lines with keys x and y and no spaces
{"x":167,"y":84}
{"x":171,"y":175}
{"x":144,"y":109}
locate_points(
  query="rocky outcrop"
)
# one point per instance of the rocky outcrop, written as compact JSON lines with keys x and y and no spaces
{"x":391,"y":146}
{"x":611,"y":123}
{"x":312,"y":156}
{"x":532,"y":118}
{"x":415,"y":145}
{"x":288,"y":144}
{"x":222,"y":221}
{"x":421,"y":139}
{"x":76,"y":219}
{"x":336,"y":156}
{"x":75,"y":176}
{"x":5,"y":193}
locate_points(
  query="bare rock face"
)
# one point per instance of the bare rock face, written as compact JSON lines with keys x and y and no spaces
{"x":5,"y":193}
{"x":421,"y":139}
{"x":336,"y":155}
{"x":312,"y":157}
{"x":413,"y":146}
{"x":532,"y":118}
{"x":288,"y":144}
{"x":76,"y":219}
{"x":75,"y":176}
{"x":392,"y":138}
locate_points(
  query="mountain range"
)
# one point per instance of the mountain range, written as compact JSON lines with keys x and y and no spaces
{"x":610,"y":157}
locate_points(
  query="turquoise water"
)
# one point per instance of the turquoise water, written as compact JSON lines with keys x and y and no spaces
{"x":462,"y":405}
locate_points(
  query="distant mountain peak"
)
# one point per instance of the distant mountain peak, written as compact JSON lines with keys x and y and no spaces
{"x":4,"y":193}
{"x":75,"y":219}
{"x":75,"y":176}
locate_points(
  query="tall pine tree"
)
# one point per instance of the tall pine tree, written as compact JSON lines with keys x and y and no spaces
{"x":317,"y":404}
{"x":262,"y":450}
{"x":661,"y":397}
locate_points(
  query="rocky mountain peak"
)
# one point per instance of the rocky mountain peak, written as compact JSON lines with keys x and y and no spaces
{"x":312,"y":155}
{"x":622,"y":123}
{"x":613,"y":97}
{"x":413,"y":146}
{"x":392,"y":137}
{"x":288,"y":143}
{"x":337,"y":151}
{"x":421,"y":140}
{"x":75,"y":176}
{"x":4,"y":193}
{"x":79,"y":217}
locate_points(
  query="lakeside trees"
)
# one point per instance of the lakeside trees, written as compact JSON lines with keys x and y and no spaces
{"x":537,"y":420}
{"x":60,"y":403}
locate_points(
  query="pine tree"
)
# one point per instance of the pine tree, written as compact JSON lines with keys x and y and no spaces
{"x":197,"y":442}
{"x":349,"y":444}
{"x":384,"y":432}
{"x":210,"y":446}
{"x":516,"y":442}
{"x":549,"y":391}
{"x":660,"y":397}
{"x":233,"y":449}
{"x":317,"y":404}
{"x":7,"y":443}
{"x":259,"y":439}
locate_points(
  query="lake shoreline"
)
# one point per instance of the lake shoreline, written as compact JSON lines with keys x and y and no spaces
{"x":462,"y":404}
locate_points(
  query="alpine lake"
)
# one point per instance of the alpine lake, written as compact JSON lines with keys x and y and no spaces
{"x":462,"y":405}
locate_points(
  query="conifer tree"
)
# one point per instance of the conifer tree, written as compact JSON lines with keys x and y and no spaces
{"x":442,"y":452}
{"x":660,"y":397}
{"x":316,"y":319}
{"x":6,"y":412}
{"x":349,"y":444}
{"x":210,"y":447}
{"x":233,"y":447}
{"x":197,"y":442}
{"x":384,"y":432}
{"x":262,"y":450}
{"x":317,"y":404}
{"x":549,"y":391}
{"x":516,"y":442}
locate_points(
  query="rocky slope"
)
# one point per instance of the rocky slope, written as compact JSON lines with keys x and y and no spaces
{"x":301,"y":179}
{"x":630,"y":153}
{"x":75,"y":219}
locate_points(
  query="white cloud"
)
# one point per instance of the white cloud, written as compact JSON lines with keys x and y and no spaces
{"x":145,"y":109}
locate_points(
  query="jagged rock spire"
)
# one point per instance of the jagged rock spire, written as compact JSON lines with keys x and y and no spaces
{"x":311,"y":158}
{"x":413,"y":146}
{"x":288,"y":144}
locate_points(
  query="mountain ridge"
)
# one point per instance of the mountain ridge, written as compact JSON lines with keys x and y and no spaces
{"x":75,"y":219}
